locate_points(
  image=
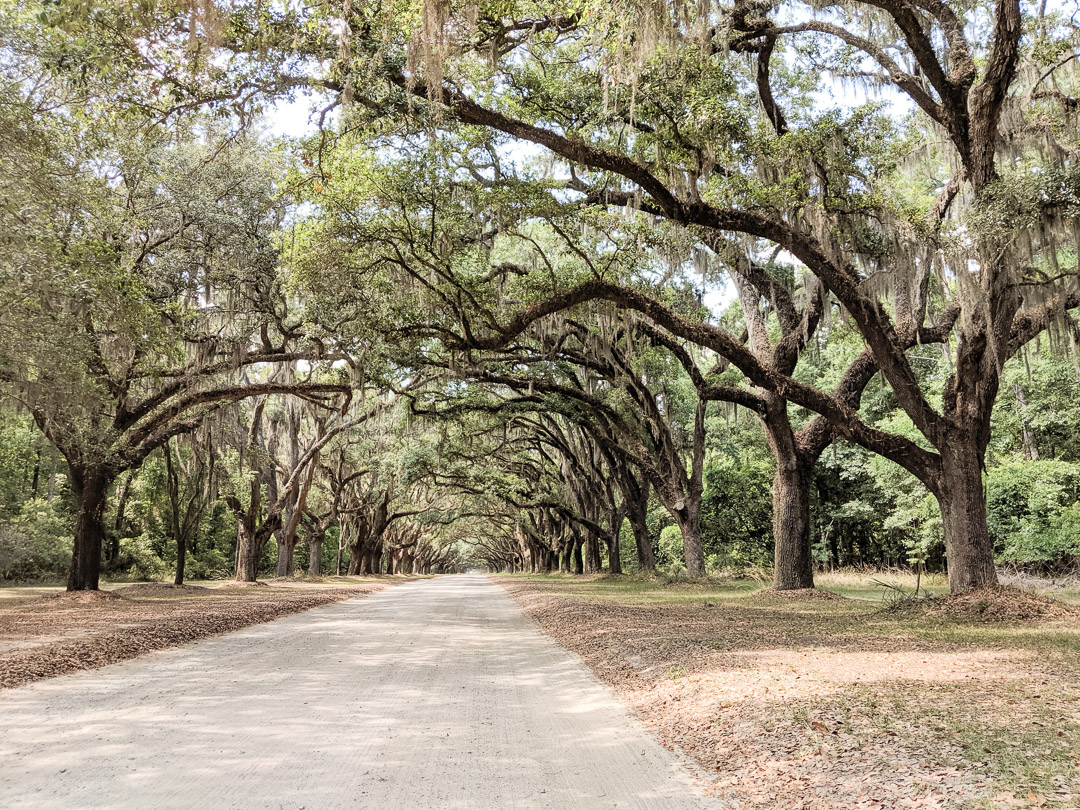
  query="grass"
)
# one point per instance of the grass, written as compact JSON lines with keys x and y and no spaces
{"x":864,"y":586}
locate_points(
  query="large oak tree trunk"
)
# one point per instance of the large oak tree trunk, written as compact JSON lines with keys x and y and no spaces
{"x":250,"y":544}
{"x":247,"y":554}
{"x":91,"y":486}
{"x":315,"y":547}
{"x":646,"y":558}
{"x":614,"y":558}
{"x":962,"y":500}
{"x":357,"y":557}
{"x":593,"y":562}
{"x":285,"y":547}
{"x":793,"y":562}
{"x":689,"y":521}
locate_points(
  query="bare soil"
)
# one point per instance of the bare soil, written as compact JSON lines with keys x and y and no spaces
{"x":64,"y":632}
{"x":822,"y":702}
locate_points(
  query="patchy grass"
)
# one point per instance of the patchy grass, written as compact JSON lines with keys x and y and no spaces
{"x":834,"y":702}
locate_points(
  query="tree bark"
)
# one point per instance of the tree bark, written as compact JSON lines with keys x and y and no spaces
{"x":250,"y":544}
{"x":689,"y":515}
{"x":614,"y":558}
{"x":118,"y":524}
{"x":357,"y":557}
{"x":285,"y":547}
{"x":637,"y":514}
{"x":962,"y":500}
{"x":793,"y":563}
{"x":793,"y":566}
{"x":247,"y":559}
{"x":1030,"y":448}
{"x":689,"y":521}
{"x":315,"y":547}
{"x":593,"y":562}
{"x":181,"y":559}
{"x":91,"y":487}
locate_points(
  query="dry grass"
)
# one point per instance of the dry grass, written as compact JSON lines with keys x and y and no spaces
{"x":812,"y":702}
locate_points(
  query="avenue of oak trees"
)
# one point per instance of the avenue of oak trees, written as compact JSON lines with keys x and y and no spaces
{"x":537,"y":272}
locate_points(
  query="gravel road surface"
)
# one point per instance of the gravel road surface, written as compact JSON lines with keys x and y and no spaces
{"x":438,"y":693}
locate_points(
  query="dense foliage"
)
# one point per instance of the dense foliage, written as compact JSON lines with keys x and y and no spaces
{"x":762,"y":286}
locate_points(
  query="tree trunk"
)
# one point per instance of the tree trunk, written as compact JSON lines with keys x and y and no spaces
{"x":793,"y":566}
{"x":689,"y":520}
{"x":181,"y":558}
{"x":962,"y":500}
{"x":113,"y":552}
{"x":579,"y":566}
{"x":646,"y":559}
{"x":356,"y":560}
{"x":91,"y":488}
{"x":593,"y":563}
{"x":315,"y":543}
{"x":285,"y":548}
{"x":635,"y":494}
{"x":250,"y":544}
{"x":614,"y":555}
{"x":688,"y":513}
{"x":247,"y":554}
{"x":1030,"y":448}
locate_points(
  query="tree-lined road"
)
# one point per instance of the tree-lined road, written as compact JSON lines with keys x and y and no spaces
{"x":433,"y":694}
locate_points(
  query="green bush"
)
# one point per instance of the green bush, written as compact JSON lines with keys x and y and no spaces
{"x":670,"y":558}
{"x":142,"y":561}
{"x":736,"y":515}
{"x":36,"y":543}
{"x":209,"y":563}
{"x":1033,"y":512}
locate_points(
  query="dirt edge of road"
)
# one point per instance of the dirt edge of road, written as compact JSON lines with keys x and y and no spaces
{"x":777,"y":722}
{"x":48,"y":637}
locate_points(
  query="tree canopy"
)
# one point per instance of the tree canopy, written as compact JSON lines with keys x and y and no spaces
{"x":567,"y":285}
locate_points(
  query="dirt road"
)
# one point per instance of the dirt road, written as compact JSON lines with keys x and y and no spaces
{"x":433,"y":694}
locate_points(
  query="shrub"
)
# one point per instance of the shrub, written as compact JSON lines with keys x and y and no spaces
{"x":1033,"y":512}
{"x":670,"y":558}
{"x":36,"y":543}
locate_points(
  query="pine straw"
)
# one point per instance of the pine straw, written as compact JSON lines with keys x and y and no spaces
{"x":162,"y":589}
{"x":236,"y":583}
{"x":63,"y":633}
{"x":800,"y":595}
{"x":998,"y":604}
{"x":63,"y":598}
